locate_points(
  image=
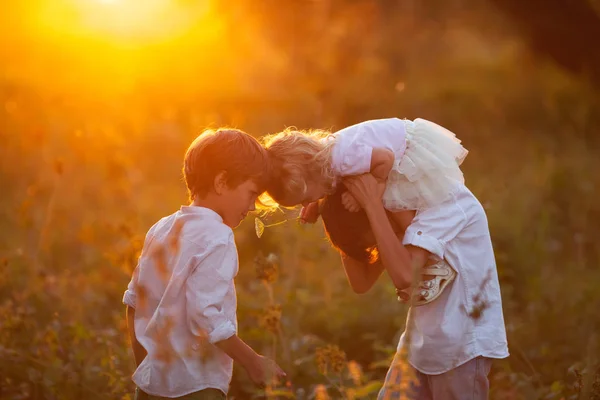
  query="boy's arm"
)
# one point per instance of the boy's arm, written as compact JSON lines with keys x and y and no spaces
{"x":361,"y":276}
{"x":261,"y":370}
{"x":238,"y":350}
{"x":206,"y":291}
{"x":139,"y":353}
{"x":211,"y":316}
{"x":382,"y":161}
{"x":399,"y":261}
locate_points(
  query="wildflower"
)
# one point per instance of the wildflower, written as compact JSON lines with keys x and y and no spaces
{"x":267,"y":268}
{"x":271,"y":318}
{"x":321,"y":393}
{"x":355,"y":372}
{"x":351,"y":394}
{"x":332,"y":358}
{"x":403,"y":378}
{"x":259,"y":226}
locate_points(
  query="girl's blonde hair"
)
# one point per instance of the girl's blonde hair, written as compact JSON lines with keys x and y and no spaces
{"x":295,"y":157}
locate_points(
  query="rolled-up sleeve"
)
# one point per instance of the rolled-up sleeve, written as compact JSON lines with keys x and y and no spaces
{"x":130,"y":296}
{"x":433,"y":228}
{"x":210,"y":294}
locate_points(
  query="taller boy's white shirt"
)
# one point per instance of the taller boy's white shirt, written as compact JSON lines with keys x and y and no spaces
{"x":184,"y":296}
{"x":449,"y":331}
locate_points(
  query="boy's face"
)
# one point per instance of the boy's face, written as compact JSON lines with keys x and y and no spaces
{"x":237,"y":202}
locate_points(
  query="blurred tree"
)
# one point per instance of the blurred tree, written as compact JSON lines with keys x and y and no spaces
{"x":565,"y":30}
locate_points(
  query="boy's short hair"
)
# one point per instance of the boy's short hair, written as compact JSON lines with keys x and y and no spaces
{"x":231,"y":150}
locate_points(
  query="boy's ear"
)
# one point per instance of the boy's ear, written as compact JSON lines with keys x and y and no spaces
{"x":220,"y":182}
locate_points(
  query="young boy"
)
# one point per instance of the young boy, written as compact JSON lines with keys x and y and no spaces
{"x":181,"y":301}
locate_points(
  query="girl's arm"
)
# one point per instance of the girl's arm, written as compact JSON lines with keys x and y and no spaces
{"x":382,"y":161}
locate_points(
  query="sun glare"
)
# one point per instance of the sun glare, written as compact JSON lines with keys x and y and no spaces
{"x":122,"y":21}
{"x":110,"y":46}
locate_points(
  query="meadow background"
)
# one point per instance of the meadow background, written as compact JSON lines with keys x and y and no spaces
{"x":100,"y":98}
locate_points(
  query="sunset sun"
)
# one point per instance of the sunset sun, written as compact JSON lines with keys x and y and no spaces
{"x":122,"y":21}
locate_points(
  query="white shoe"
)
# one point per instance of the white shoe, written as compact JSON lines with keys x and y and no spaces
{"x":430,"y":289}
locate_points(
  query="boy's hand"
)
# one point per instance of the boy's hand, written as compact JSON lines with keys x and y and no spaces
{"x":350,"y":202}
{"x":263,"y":371}
{"x":365,"y":189}
{"x":310,"y":213}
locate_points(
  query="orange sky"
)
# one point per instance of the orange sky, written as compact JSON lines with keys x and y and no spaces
{"x":112,"y":45}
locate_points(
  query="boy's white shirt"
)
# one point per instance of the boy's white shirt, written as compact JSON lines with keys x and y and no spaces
{"x":443,"y":334}
{"x":185,"y":301}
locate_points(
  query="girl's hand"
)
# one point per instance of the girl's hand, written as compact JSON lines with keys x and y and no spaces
{"x":350,"y":202}
{"x":310,"y":213}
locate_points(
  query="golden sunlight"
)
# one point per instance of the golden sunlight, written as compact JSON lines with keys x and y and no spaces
{"x":123,"y":21}
{"x":108,"y":46}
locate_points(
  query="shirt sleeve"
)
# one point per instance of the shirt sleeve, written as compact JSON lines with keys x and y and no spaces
{"x":357,"y":160}
{"x":433,"y":228}
{"x":208,"y":312}
{"x":130,"y":295}
{"x":350,"y":155}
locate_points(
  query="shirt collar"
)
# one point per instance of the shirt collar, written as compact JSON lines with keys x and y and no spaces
{"x":203,"y":211}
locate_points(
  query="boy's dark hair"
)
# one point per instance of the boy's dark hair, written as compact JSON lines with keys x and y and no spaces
{"x":230,"y":150}
{"x":347,"y":231}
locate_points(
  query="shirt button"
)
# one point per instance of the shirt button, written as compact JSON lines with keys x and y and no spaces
{"x":419,"y":233}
